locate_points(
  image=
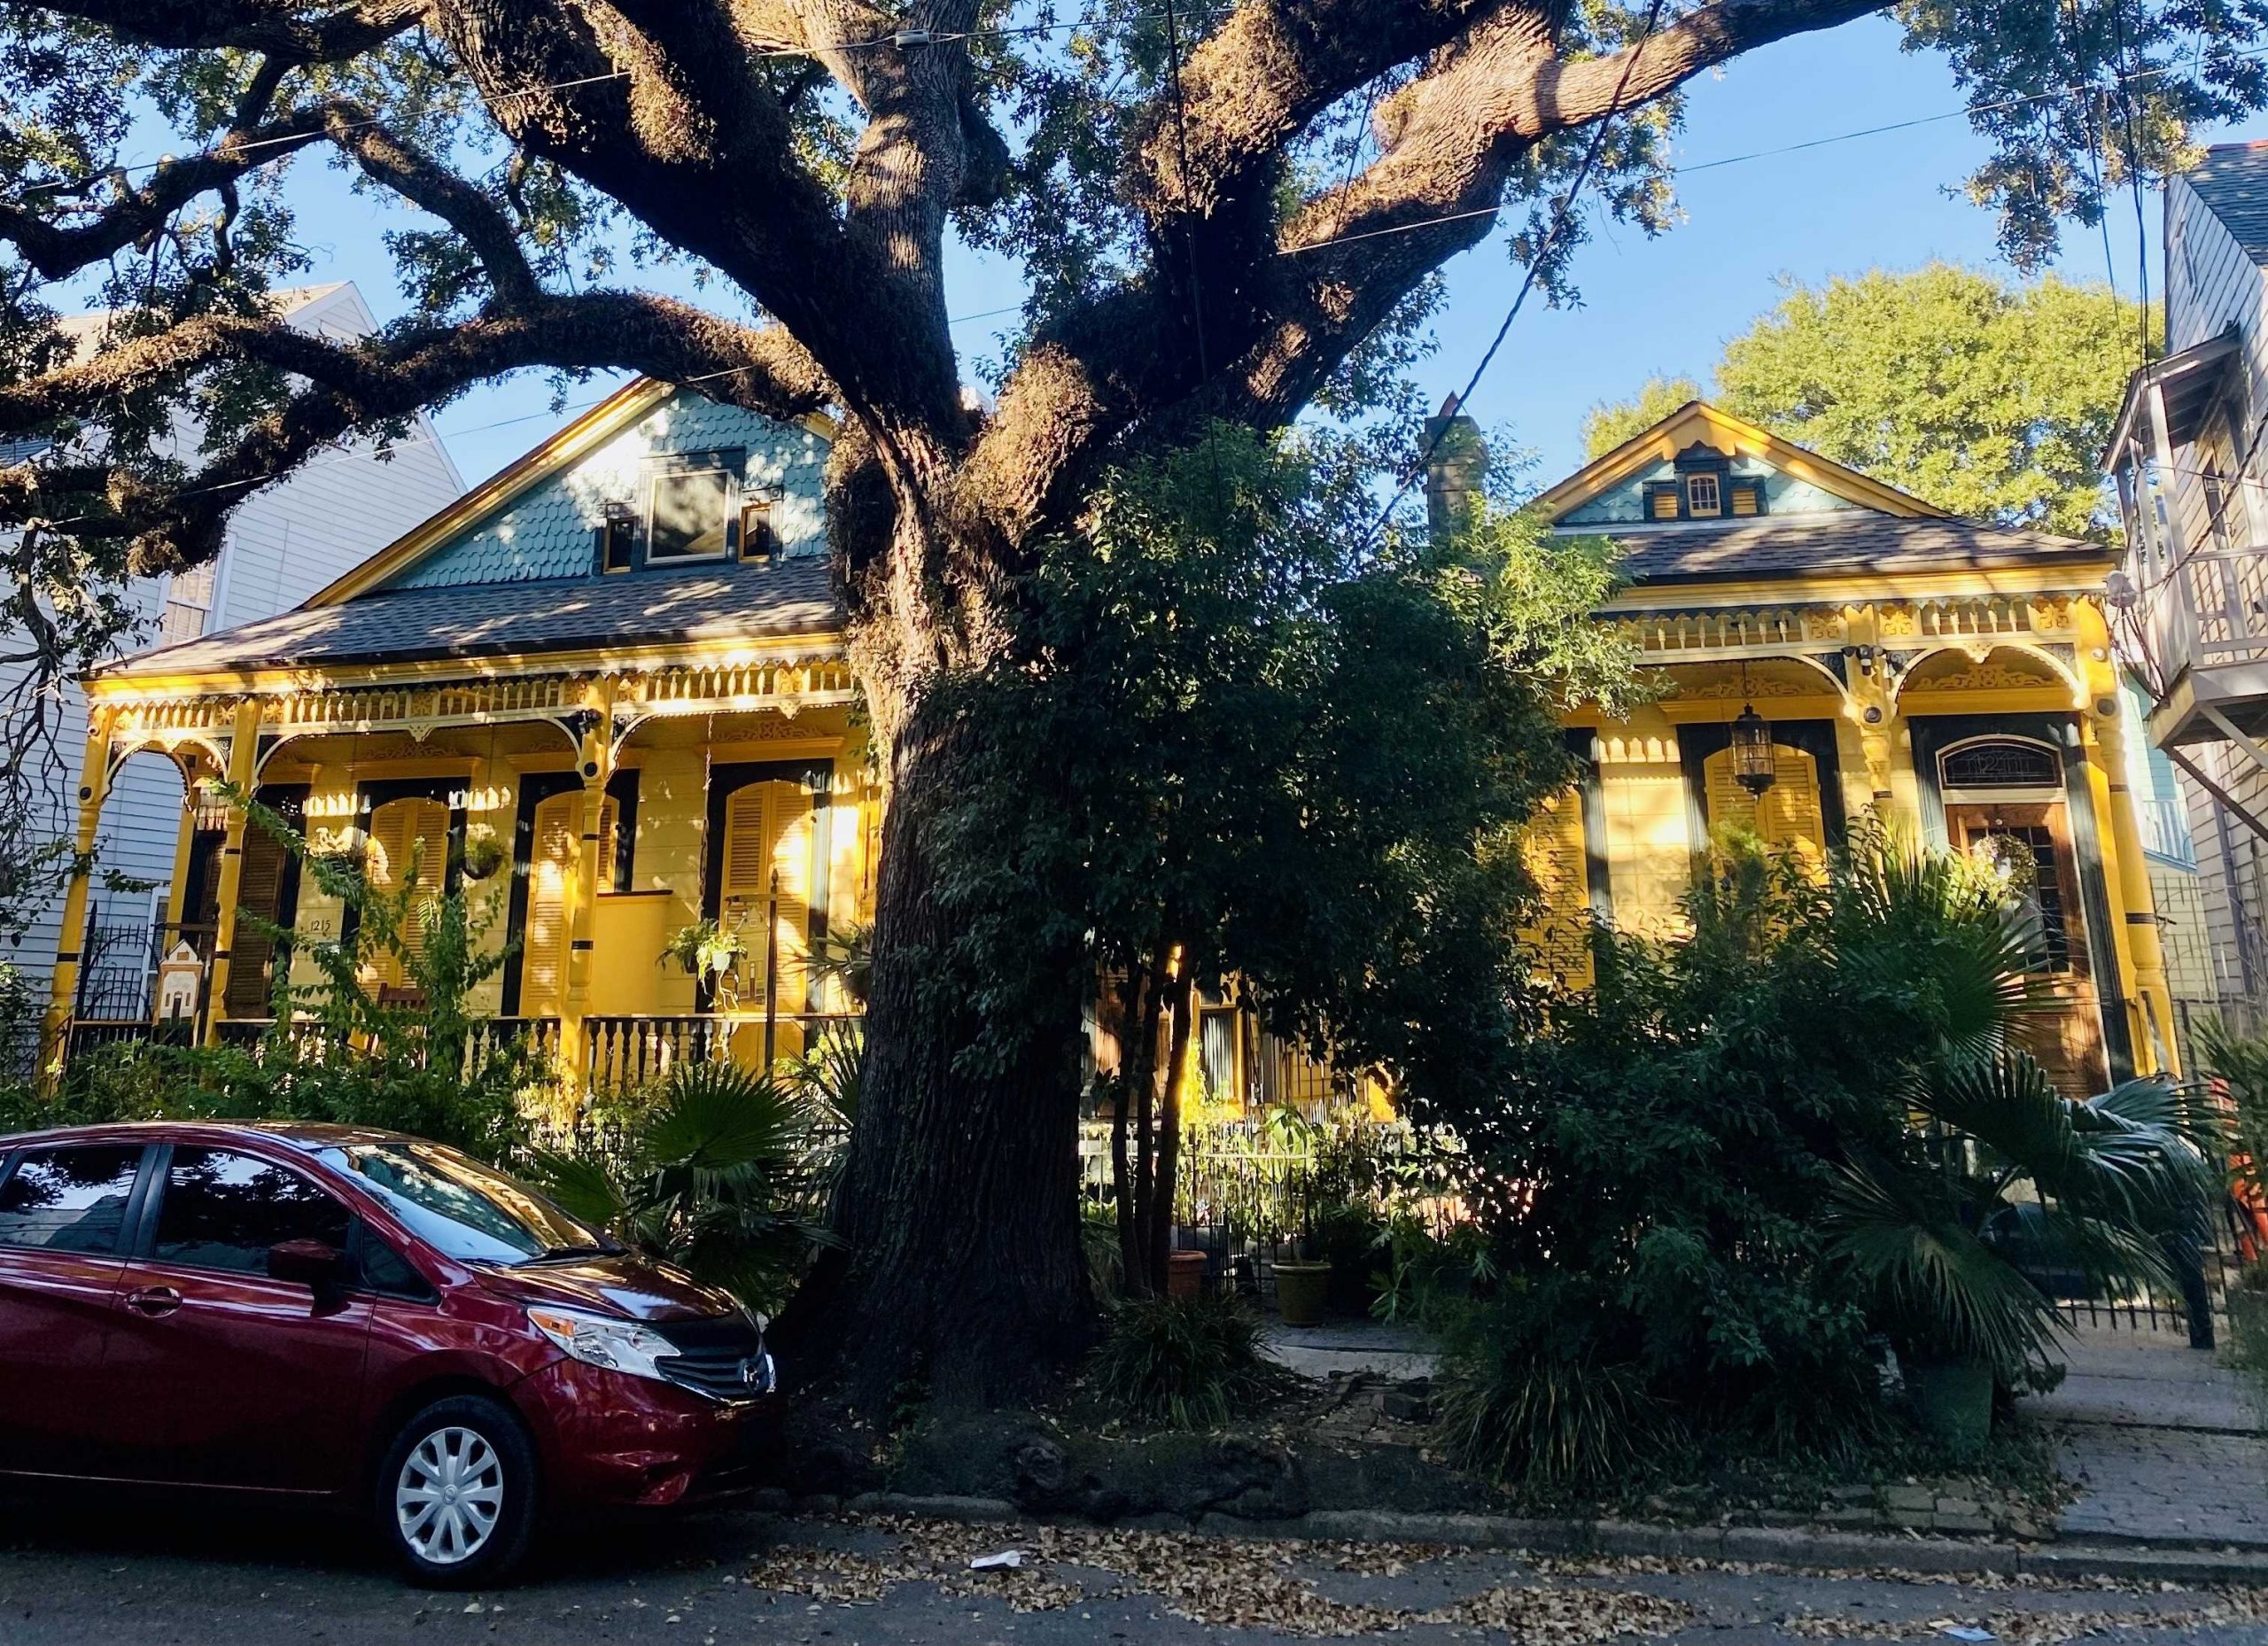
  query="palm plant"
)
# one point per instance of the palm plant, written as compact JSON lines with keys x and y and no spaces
{"x":1997,"y":1180}
{"x":717,"y":1175}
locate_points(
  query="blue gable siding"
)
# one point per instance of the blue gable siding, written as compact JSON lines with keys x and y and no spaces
{"x":547,"y":531}
{"x":1784,"y":494}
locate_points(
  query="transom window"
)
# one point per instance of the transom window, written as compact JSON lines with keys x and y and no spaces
{"x":686,"y":514}
{"x":1702,"y":496}
{"x":1999,"y":763}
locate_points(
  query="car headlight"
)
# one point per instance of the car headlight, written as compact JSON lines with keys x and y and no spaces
{"x":596,"y":1340}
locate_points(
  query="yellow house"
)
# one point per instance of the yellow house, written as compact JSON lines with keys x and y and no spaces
{"x":1845,"y":646}
{"x":606,"y":691}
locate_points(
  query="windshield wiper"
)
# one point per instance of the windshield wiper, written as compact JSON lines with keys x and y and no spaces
{"x":561,"y":1253}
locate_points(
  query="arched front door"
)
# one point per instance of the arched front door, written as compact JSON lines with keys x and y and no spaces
{"x":2005,"y":802}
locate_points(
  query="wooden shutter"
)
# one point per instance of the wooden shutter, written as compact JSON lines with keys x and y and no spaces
{"x":1556,"y":856}
{"x":260,"y":889}
{"x":1788,"y":814}
{"x":404,"y":833}
{"x":768,"y":833}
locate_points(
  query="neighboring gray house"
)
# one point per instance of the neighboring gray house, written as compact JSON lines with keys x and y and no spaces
{"x":285,"y":543}
{"x":2191,"y":464}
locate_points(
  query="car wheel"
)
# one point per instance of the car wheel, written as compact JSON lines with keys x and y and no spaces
{"x":456,"y":1493}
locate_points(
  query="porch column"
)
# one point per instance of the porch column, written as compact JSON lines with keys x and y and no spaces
{"x":2128,"y":870}
{"x":243,"y":771}
{"x":94,"y":787}
{"x":595,"y":766}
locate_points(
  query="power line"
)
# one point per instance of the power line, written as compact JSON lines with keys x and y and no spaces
{"x":1561,"y":218}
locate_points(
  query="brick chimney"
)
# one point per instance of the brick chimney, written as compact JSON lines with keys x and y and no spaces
{"x":1455,"y":471}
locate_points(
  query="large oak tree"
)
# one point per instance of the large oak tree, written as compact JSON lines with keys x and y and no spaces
{"x":1215,"y":209}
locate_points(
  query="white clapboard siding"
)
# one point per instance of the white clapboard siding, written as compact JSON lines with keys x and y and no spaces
{"x":283,"y":544}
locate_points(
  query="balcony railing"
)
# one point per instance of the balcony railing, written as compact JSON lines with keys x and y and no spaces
{"x":2207,"y":609}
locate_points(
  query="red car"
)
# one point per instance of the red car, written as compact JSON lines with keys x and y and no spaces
{"x":361,"y":1316}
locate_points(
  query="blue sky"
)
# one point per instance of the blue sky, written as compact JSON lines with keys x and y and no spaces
{"x":1664,"y":305}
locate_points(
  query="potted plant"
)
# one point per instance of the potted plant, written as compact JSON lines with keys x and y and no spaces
{"x":484,"y":852}
{"x":1302,"y":1290}
{"x":705,"y":950}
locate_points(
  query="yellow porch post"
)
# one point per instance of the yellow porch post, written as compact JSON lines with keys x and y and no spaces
{"x":596,"y":756}
{"x":243,"y":769}
{"x":94,"y":786}
{"x":2128,"y":871}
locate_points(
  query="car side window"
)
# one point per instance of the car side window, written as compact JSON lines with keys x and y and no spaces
{"x":224,"y":1210}
{"x":386,"y":1271}
{"x":69,"y":1200}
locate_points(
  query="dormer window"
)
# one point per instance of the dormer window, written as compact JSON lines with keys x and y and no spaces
{"x":685,"y":514}
{"x":618,"y":539}
{"x":1703,"y":500}
{"x":757,"y":541}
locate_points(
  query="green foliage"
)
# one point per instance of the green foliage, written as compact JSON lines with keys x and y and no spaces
{"x":1722,"y":1173}
{"x":1231,"y":728}
{"x":2241,"y":1062}
{"x":1190,"y":1362}
{"x":718,"y":1171}
{"x":1990,"y":400}
{"x":426,"y":1065}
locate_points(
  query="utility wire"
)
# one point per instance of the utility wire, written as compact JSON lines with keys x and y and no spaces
{"x":1562,"y":216}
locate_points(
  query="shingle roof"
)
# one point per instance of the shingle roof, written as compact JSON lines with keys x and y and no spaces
{"x":1856,"y":540}
{"x":2233,"y":181}
{"x":646,"y":607}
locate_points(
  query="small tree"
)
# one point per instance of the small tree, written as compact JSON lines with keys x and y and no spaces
{"x":1235,"y":741}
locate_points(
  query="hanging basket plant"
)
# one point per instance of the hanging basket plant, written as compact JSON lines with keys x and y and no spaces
{"x":705,"y":950}
{"x":484,"y":852}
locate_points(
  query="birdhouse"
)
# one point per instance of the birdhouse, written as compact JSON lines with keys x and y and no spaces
{"x":181,"y":980}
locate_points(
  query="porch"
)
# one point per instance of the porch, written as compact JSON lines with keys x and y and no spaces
{"x":652,"y":856}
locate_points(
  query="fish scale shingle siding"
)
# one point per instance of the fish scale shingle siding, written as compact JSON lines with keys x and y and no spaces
{"x":548,"y":532}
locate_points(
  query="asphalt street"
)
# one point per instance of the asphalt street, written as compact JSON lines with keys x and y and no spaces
{"x":214,"y":1574}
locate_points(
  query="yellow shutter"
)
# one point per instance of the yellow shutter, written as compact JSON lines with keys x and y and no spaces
{"x":1788,"y":814}
{"x":1553,"y":847}
{"x":406,"y":834}
{"x":1662,"y":505}
{"x":768,"y":835}
{"x":554,"y":857}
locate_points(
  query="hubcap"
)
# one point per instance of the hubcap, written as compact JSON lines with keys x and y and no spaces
{"x":449,"y":1495}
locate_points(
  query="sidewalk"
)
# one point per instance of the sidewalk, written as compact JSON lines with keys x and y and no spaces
{"x":2166,"y":1444}
{"x":1389,"y":1354}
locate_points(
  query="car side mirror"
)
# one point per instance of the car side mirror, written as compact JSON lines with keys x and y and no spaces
{"x":305,"y":1262}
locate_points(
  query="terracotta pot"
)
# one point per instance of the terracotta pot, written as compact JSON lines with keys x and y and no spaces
{"x":1303,"y":1292}
{"x":1184,"y":1274}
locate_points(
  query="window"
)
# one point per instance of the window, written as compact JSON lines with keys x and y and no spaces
{"x":2216,"y":506}
{"x":462,"y":1207}
{"x":687,"y":515}
{"x":224,"y":1211}
{"x":1999,"y":763}
{"x":618,"y":539}
{"x":756,"y":539}
{"x":188,"y":603}
{"x":1702,"y":497}
{"x":69,"y":1200}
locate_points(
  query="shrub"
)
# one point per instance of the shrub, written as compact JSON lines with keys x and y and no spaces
{"x":717,"y":1171}
{"x":1192,"y":1363}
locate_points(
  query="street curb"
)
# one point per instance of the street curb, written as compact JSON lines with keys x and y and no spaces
{"x":1788,"y":1545}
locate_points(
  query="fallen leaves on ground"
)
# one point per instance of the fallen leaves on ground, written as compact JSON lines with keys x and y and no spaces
{"x":2224,"y":1609}
{"x":1217,"y":1582}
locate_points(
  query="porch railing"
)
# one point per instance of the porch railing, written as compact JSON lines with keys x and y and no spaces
{"x":621,"y":1053}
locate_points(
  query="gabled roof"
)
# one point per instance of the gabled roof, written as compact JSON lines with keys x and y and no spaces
{"x":1853,"y":525}
{"x":487,"y":620}
{"x":1697,"y":420}
{"x":580,"y":438}
{"x":2233,"y":182}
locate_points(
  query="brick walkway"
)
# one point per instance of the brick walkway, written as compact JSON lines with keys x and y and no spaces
{"x":2166,"y":1444}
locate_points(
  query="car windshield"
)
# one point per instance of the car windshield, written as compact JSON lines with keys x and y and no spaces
{"x":464,"y":1208}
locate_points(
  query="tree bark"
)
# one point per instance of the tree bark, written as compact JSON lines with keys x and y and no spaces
{"x":960,"y":1268}
{"x":1159,"y":1246}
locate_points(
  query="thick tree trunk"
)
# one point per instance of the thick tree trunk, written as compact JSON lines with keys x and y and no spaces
{"x":958,"y":1211}
{"x":1160,"y":1243}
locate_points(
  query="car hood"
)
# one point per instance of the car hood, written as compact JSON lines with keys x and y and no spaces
{"x":634,"y":1288}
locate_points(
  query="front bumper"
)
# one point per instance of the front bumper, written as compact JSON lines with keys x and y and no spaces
{"x":612,"y":1440}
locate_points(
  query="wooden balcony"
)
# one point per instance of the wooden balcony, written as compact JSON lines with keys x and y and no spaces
{"x":2204,"y":620}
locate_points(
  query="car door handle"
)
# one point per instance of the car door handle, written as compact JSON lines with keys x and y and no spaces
{"x":154,"y":1301}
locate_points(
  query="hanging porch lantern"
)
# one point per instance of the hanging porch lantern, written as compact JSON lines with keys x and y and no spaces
{"x":1751,"y":748}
